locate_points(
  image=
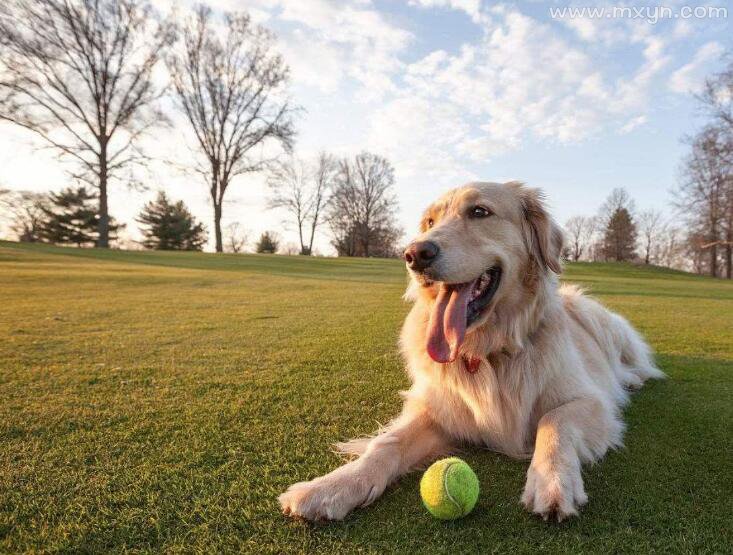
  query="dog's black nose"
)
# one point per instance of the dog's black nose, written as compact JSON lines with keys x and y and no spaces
{"x":420,"y":255}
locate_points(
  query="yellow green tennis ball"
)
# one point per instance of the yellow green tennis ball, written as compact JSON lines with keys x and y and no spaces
{"x":449,"y":489}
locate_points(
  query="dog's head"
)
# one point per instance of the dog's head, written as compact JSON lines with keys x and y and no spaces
{"x":480,"y":245}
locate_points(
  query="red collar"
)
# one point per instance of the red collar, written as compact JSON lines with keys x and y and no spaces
{"x":472,"y":364}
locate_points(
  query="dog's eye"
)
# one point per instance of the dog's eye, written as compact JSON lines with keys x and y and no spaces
{"x":479,"y":212}
{"x":430,"y":223}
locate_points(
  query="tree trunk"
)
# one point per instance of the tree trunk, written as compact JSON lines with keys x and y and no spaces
{"x":714,"y":260}
{"x":365,"y":239}
{"x":217,"y":226}
{"x":714,"y":250}
{"x":729,"y":237}
{"x":313,"y":233}
{"x":303,"y":249}
{"x":103,"y":225}
{"x":217,"y":198}
{"x":729,"y":252}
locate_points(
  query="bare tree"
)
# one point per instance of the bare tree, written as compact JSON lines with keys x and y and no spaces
{"x":717,"y":97}
{"x":573,"y":230}
{"x":229,"y":86}
{"x":650,"y":225}
{"x":671,"y":247}
{"x":236,"y":238}
{"x":289,"y":190}
{"x":362,"y":208}
{"x":289,"y":249}
{"x":728,"y":225}
{"x":25,"y":213}
{"x":697,"y":257}
{"x":704,"y":192}
{"x":324,"y":180}
{"x":580,"y":230}
{"x":79,"y":75}
{"x":302,"y":190}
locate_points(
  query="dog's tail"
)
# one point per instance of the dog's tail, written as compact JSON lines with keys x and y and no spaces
{"x":630,"y":356}
{"x":635,"y":355}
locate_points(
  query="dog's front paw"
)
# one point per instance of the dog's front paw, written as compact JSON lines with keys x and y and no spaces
{"x":330,"y":497}
{"x":550,"y":491}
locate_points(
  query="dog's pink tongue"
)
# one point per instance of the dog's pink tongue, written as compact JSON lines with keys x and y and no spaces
{"x":447,"y":326}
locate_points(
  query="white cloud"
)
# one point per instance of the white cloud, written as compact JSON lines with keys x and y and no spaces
{"x":314,"y":63}
{"x":682,"y":29}
{"x":327,"y":43}
{"x":472,"y":8}
{"x":338,"y":40}
{"x":633,"y":92}
{"x":523,"y":81}
{"x":419,"y":136}
{"x":599,"y":31}
{"x":632,"y":124}
{"x":690,"y":77}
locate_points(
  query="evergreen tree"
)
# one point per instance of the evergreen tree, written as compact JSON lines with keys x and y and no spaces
{"x":619,"y":238}
{"x":268,"y":243}
{"x":71,"y":217}
{"x":170,"y":226}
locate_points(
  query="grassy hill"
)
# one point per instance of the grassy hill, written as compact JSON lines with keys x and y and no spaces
{"x":161,"y":401}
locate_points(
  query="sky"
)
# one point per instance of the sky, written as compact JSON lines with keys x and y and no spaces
{"x":452,"y":91}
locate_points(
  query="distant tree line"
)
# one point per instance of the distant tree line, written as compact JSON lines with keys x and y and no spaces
{"x":698,"y":236}
{"x":79,"y":74}
{"x":616,"y":233}
{"x":620,"y":233}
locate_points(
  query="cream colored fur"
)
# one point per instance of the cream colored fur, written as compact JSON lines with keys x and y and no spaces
{"x":556,"y":366}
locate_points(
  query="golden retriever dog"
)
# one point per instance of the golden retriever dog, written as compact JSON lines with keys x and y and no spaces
{"x":500,"y":356}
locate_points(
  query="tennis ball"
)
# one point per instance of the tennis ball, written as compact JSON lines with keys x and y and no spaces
{"x":449,"y":489}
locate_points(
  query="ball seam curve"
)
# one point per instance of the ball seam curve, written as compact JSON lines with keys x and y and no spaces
{"x":445,"y":487}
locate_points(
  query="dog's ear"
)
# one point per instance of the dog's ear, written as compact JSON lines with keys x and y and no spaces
{"x":544,"y":237}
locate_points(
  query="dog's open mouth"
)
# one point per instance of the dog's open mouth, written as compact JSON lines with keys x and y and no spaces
{"x":457,"y":306}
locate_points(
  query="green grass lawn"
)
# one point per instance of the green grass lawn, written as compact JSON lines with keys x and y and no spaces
{"x":162,"y":401}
